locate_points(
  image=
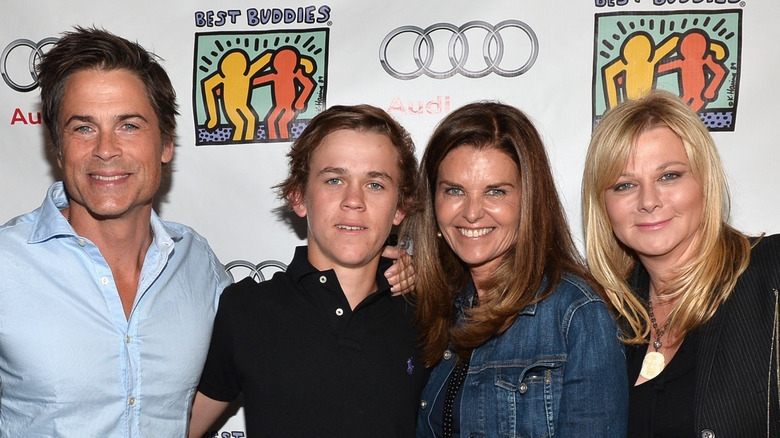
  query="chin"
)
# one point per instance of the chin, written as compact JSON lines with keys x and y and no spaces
{"x":354,"y":263}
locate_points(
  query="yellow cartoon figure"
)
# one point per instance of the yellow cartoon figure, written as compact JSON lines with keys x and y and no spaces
{"x":233,"y":80}
{"x":634,"y":71}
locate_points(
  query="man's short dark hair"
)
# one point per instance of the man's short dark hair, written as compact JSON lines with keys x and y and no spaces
{"x":360,"y":118}
{"x":91,"y":48}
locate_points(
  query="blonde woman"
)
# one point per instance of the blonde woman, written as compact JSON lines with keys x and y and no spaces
{"x":698,"y":300}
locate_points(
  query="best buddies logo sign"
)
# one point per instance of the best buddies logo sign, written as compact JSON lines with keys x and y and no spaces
{"x":694,"y":54}
{"x":258,"y":86}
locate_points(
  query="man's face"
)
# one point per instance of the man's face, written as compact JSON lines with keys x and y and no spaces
{"x":350,"y":199}
{"x":112,"y":152}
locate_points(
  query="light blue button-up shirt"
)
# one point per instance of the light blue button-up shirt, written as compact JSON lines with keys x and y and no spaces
{"x":71,"y":363}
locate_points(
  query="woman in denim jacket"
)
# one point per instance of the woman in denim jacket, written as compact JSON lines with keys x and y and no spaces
{"x":522,"y":342}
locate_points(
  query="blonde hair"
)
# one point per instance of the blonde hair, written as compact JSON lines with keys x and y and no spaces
{"x":723,"y":252}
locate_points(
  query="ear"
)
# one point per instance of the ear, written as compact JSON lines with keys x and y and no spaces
{"x":399,"y":216}
{"x":298,"y":203}
{"x":167,"y":152}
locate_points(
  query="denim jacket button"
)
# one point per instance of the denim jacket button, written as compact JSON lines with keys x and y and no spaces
{"x":707,"y":433}
{"x":447,"y":354}
{"x":423,"y":404}
{"x":523,"y":388}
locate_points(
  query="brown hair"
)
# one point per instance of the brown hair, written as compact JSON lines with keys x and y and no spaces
{"x":90,"y":48}
{"x":361,"y":118}
{"x":543,"y":252}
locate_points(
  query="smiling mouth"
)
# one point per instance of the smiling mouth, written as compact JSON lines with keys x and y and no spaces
{"x":349,"y":228}
{"x":479,"y":232}
{"x":109,"y":178}
{"x":653,"y":225}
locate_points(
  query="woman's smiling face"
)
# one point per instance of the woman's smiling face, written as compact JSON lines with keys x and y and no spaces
{"x":656,"y":205}
{"x":477,"y":203}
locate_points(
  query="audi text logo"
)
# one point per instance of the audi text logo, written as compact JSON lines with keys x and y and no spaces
{"x":36,"y":52}
{"x":461,"y":45}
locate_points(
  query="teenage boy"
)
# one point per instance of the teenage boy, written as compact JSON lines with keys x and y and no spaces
{"x":324,"y":349}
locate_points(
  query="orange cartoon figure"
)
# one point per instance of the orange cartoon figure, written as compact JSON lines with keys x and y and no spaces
{"x":232,"y":81}
{"x":632,"y":74}
{"x":700,"y":68}
{"x":292,"y":85}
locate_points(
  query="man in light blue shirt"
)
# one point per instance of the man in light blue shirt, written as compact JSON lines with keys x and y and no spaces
{"x":105,"y":310}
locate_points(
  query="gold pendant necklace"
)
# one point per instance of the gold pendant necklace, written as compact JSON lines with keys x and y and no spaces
{"x":652,"y":365}
{"x":654,"y":361}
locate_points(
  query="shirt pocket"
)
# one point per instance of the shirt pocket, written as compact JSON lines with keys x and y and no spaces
{"x":527,"y":399}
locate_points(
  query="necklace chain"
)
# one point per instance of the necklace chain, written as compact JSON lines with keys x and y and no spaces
{"x":658,"y":332}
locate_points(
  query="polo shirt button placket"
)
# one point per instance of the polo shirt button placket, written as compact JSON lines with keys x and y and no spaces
{"x":707,"y":433}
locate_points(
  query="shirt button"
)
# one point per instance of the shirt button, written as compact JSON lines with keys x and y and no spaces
{"x":132,"y":401}
{"x":104,"y":280}
{"x":423,"y":404}
{"x":323,"y":279}
{"x":523,"y":388}
{"x":127,"y":339}
{"x":447,"y":354}
{"x":707,"y":433}
{"x":339,"y":311}
{"x":82,"y":242}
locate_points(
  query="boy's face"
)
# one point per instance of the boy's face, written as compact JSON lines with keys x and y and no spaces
{"x":350,"y":199}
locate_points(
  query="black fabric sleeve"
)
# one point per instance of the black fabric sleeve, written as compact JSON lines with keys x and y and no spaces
{"x":220,"y":378}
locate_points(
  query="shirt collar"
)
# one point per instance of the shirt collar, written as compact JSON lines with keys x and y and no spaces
{"x":51,"y":223}
{"x":465,"y":300}
{"x":300,"y":267}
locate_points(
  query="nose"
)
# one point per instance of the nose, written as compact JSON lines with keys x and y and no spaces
{"x":107,"y":146}
{"x":353,"y":198}
{"x":472,"y":210}
{"x":649,"y":198}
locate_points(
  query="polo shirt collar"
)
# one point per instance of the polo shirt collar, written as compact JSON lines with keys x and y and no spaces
{"x":300,"y":267}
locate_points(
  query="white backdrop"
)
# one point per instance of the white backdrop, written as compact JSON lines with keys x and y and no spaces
{"x":553,"y":52}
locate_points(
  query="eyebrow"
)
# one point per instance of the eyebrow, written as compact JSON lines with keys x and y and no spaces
{"x":342,"y":171}
{"x":90,"y":119}
{"x":662,"y":167}
{"x":489,"y":186}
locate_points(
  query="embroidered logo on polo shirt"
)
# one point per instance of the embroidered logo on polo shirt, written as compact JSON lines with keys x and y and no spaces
{"x":409,"y":366}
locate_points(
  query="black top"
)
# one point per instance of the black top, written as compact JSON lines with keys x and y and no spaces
{"x":308,"y":365}
{"x":736,"y":366}
{"x":466,"y":300}
{"x":661,"y":407}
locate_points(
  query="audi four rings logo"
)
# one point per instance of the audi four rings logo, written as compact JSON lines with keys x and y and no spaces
{"x":36,"y":52}
{"x":459,"y":49}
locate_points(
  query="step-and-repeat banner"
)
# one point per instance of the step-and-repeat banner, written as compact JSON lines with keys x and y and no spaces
{"x":564,"y":62}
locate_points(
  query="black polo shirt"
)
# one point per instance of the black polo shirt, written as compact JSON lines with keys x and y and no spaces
{"x":308,"y":365}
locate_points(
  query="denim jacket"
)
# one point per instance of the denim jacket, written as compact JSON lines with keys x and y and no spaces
{"x":558,"y":371}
